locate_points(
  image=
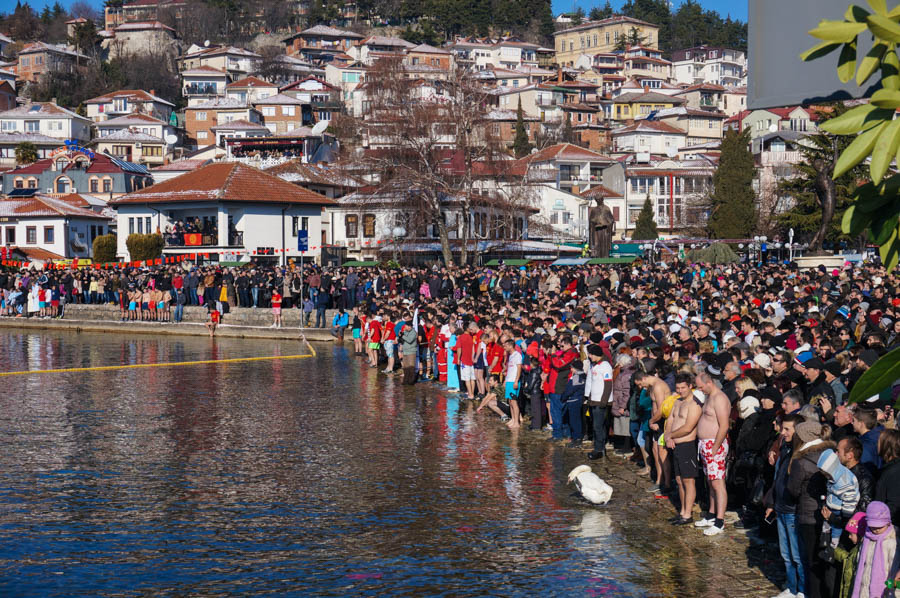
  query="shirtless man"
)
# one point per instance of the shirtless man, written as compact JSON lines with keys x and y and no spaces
{"x":711,"y":432}
{"x":681,"y":438}
{"x":658,"y":391}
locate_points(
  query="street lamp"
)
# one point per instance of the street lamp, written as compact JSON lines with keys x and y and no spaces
{"x":399,"y":232}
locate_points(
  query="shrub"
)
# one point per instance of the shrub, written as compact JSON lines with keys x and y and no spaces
{"x":145,"y":247}
{"x":104,"y":249}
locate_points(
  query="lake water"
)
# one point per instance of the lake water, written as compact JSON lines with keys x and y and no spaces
{"x":294,"y":477}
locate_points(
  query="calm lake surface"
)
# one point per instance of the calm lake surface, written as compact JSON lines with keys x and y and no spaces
{"x":296,"y":477}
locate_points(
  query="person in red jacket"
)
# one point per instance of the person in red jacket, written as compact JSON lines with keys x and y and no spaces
{"x":560,"y":370}
{"x":465,"y":346}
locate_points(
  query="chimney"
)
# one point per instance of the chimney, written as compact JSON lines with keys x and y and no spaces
{"x":559,"y":75}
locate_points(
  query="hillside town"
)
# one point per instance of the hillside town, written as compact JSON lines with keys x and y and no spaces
{"x":482,"y":145}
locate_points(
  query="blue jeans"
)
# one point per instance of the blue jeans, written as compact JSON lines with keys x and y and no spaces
{"x":320,"y":317}
{"x":556,"y":414}
{"x":255,"y":293}
{"x":179,"y":312}
{"x":506,"y":295}
{"x":195,"y":300}
{"x":789,"y":546}
{"x":573,"y":399}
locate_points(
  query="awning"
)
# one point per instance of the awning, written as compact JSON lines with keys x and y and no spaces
{"x":611,"y":260}
{"x":509,"y":262}
{"x":359,"y":264}
{"x":570,"y":261}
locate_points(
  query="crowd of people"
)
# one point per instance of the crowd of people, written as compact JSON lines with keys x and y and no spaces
{"x":726,"y":386}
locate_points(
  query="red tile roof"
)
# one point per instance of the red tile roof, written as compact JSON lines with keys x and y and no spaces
{"x":224,"y":181}
{"x":36,"y":253}
{"x":648,"y":125}
{"x":250,"y":82}
{"x":101,"y":163}
{"x":599,"y":191}
{"x":567,"y":151}
{"x":40,"y":206}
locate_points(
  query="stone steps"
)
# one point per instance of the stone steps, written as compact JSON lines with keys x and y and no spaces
{"x":239,"y":316}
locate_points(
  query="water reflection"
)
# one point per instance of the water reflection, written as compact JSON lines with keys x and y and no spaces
{"x":300,"y":477}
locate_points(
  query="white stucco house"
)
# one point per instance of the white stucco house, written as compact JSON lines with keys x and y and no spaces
{"x":238,"y":209}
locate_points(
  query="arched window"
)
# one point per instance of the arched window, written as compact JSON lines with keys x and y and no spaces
{"x":32,"y":183}
{"x":61,"y":163}
{"x":63,"y":185}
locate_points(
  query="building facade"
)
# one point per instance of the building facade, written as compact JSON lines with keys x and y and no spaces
{"x":596,"y":37}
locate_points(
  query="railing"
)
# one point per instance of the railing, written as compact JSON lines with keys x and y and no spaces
{"x":546,"y":102}
{"x":235,"y":239}
{"x":201,"y":89}
{"x":774,"y":158}
{"x":261,"y":163}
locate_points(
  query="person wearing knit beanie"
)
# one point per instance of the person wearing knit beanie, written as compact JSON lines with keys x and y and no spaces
{"x":808,"y":431}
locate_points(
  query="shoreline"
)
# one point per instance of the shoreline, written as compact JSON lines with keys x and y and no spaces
{"x":171,"y":329}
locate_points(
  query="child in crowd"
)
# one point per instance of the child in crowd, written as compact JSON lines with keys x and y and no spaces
{"x":841,"y":496}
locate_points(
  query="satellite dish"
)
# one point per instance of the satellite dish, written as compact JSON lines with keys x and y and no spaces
{"x":320,"y":127}
{"x":206,"y":44}
{"x":773,"y":127}
{"x":171,"y":139}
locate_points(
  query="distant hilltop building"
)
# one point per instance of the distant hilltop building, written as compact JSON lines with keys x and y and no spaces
{"x":598,"y":37}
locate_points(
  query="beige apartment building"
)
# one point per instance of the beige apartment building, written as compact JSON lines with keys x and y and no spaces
{"x":600,"y":37}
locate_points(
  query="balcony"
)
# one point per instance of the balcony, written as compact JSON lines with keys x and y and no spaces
{"x":188,"y":240}
{"x":542,"y":101}
{"x":201,"y":89}
{"x":780,"y":158}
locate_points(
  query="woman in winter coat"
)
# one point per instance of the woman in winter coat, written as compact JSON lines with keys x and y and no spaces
{"x":621,"y":393}
{"x":806,"y":484}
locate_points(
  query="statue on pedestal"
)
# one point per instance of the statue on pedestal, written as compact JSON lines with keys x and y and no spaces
{"x":601,"y":228}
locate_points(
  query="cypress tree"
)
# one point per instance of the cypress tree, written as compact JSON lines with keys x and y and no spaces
{"x":733,"y":213}
{"x":521,"y":146}
{"x":645,"y":227}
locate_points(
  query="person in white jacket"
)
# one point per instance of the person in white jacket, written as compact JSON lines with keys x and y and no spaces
{"x":598,"y":392}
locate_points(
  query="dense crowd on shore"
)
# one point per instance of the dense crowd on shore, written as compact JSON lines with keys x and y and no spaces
{"x":726,"y":386}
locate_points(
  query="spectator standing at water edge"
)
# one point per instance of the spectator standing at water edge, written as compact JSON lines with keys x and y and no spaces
{"x":681,"y":439}
{"x":712,"y":430}
{"x":598,"y":390}
{"x":276,"y":309}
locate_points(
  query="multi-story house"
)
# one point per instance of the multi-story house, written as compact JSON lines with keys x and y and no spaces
{"x":700,"y":126}
{"x":4,"y":45}
{"x":705,"y":64}
{"x":46,"y":228}
{"x":734,"y":100}
{"x":513,"y":53}
{"x":73,"y":170}
{"x":200,"y":119}
{"x":203,"y":83}
{"x":46,"y":118}
{"x":37,"y":58}
{"x":137,"y":121}
{"x":630,"y":106}
{"x":677,"y":190}
{"x":321,"y":44}
{"x":596,"y":37}
{"x":126,"y":101}
{"x":345,"y":76}
{"x":132,"y":145}
{"x":237,"y":62}
{"x":374,"y":47}
{"x":282,"y":113}
{"x":130,"y":11}
{"x":648,"y":137}
{"x":472,"y":53}
{"x":44,"y":144}
{"x":571,"y":168}
{"x":324,"y":99}
{"x":640,"y":61}
{"x":770,"y":120}
{"x":704,"y":96}
{"x":426,"y":55}
{"x":250,"y":90}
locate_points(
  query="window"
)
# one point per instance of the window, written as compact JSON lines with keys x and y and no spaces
{"x":147,"y":220}
{"x":121,"y":150}
{"x":31,"y":235}
{"x":201,"y":135}
{"x":55,"y":125}
{"x":287,"y":110}
{"x":8,"y":125}
{"x":10,"y":235}
{"x":131,"y":226}
{"x":62,"y":185}
{"x":351,"y":226}
{"x":120,"y":105}
{"x":607,"y":38}
{"x":48,"y":235}
{"x":200,"y":116}
{"x":368,"y":225}
{"x":20,"y":183}
{"x":25,"y":61}
{"x":32,"y":126}
{"x":140,"y":223}
{"x":107,"y":185}
{"x":268,"y":110}
{"x":151,"y":150}
{"x":95,"y":186}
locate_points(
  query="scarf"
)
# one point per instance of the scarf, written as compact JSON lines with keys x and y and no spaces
{"x":875,"y":559}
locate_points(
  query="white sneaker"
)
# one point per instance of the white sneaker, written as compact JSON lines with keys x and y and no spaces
{"x":713,"y":530}
{"x":704,"y":522}
{"x":785,"y":594}
{"x":799,"y":595}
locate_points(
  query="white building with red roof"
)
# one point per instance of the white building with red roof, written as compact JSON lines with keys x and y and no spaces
{"x":47,"y":228}
{"x":241,"y":210}
{"x":125,"y":101}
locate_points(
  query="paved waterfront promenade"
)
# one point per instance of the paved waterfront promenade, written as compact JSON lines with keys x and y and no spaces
{"x":239,"y":323}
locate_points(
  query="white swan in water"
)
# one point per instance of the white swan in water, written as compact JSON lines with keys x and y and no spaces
{"x":590,"y":486}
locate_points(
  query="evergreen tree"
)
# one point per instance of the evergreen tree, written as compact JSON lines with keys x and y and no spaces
{"x":26,"y":153}
{"x":521,"y":146}
{"x":568,"y":134}
{"x":578,"y":16}
{"x":733,"y":203}
{"x":645,"y":227}
{"x":819,"y":201}
{"x":598,"y":14}
{"x":634,"y":37}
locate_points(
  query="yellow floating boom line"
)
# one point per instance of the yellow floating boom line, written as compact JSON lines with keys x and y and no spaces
{"x":101,"y":368}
